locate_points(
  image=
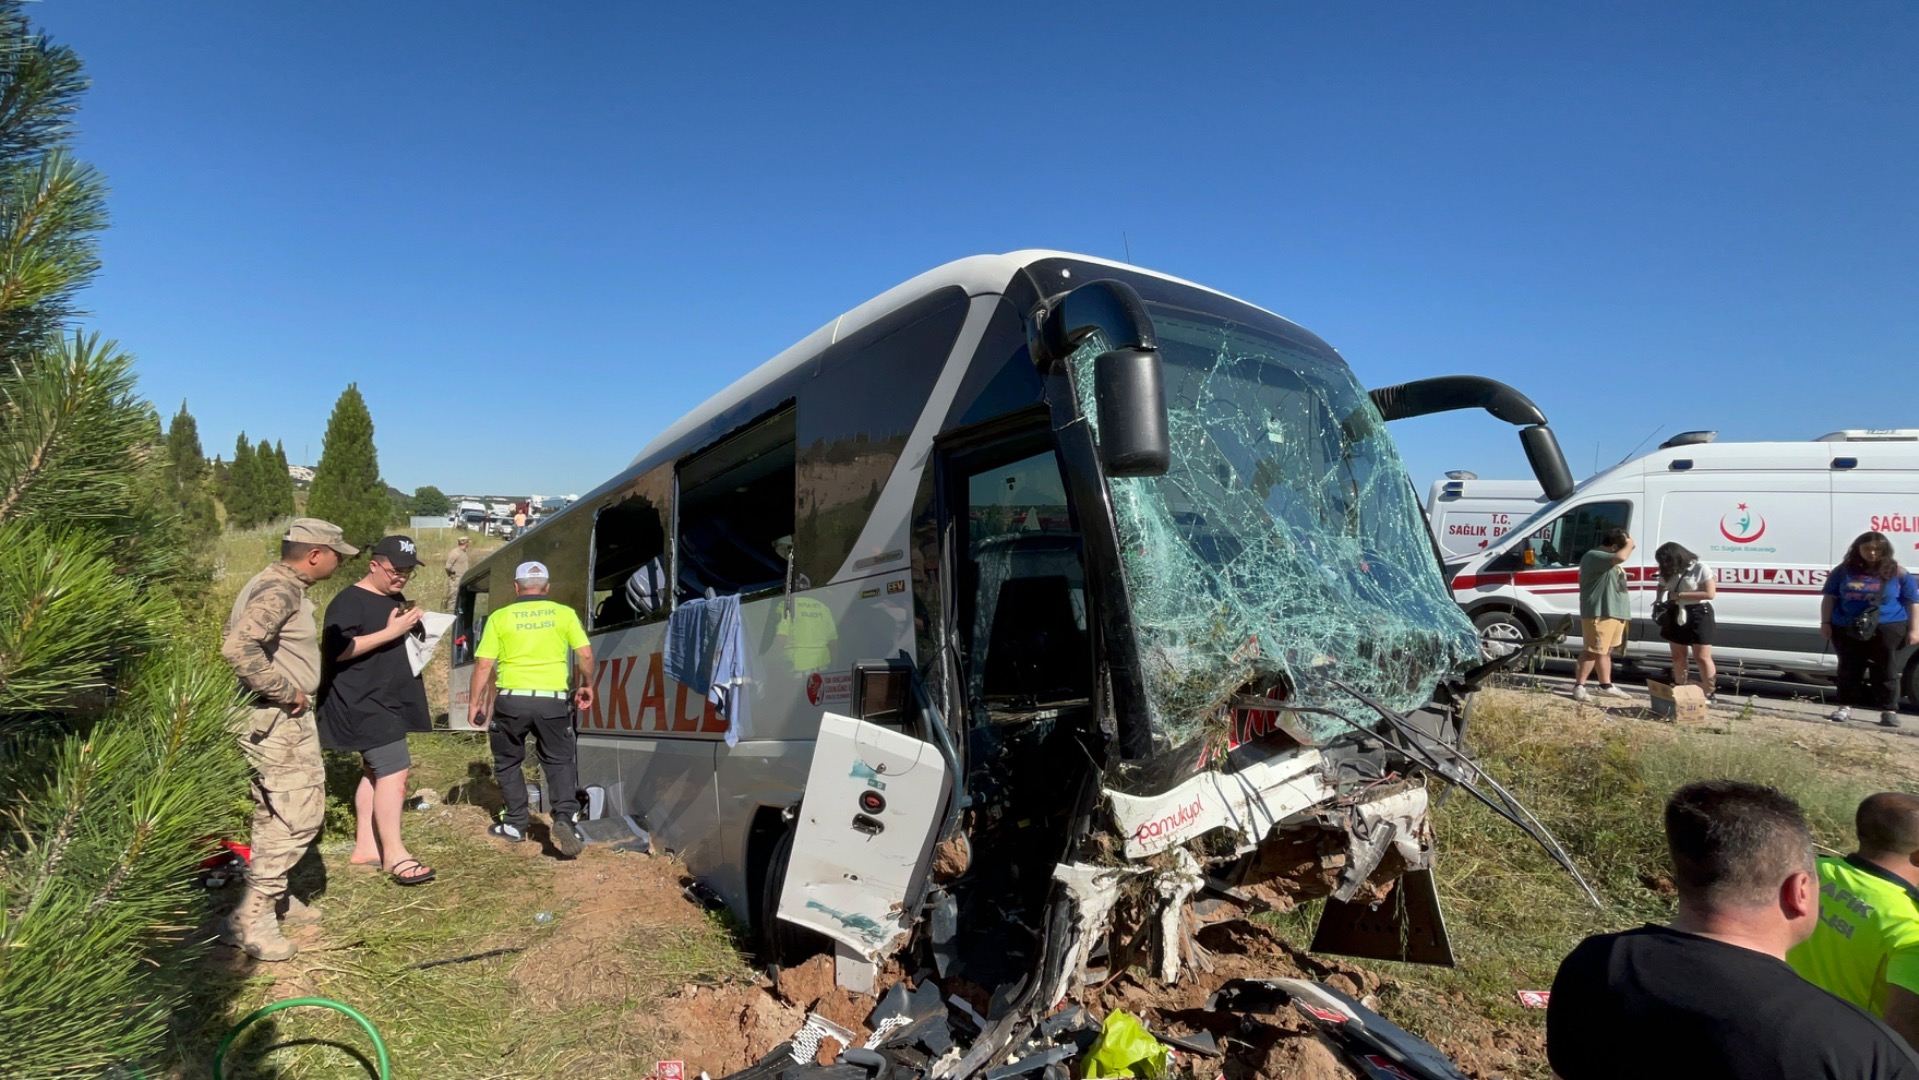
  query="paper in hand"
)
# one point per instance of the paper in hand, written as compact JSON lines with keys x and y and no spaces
{"x":419,"y":648}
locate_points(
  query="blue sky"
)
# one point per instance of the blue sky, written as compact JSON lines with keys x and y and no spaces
{"x":536,"y":234}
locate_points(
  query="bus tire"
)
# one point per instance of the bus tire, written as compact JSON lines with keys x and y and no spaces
{"x":1500,"y":632}
{"x":781,"y":943}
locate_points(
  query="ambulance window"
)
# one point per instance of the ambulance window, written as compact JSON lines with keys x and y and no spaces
{"x":469,"y":619}
{"x":736,"y":513}
{"x":1560,"y":542}
{"x":630,"y":557}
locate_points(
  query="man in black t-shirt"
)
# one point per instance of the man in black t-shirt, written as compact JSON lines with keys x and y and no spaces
{"x":370,"y":698}
{"x":1711,"y":996}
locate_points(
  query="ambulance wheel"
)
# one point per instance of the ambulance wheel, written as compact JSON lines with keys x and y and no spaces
{"x":1500,"y":633}
{"x":782,"y":943}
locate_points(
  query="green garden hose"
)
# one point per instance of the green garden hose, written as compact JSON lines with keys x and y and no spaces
{"x":379,"y":1047}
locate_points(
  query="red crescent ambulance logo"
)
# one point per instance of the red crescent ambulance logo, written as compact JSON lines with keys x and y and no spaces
{"x":814,"y":683}
{"x":1739,"y":526}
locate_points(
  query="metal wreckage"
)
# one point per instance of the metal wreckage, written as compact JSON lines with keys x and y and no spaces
{"x":1283,"y":693}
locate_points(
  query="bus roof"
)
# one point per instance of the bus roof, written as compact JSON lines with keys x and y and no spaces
{"x":977,"y":274}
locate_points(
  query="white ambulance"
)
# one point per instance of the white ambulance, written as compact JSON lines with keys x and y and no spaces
{"x":1469,"y":515}
{"x":1770,"y":518}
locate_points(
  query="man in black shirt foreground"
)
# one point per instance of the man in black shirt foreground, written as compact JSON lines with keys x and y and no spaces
{"x":1711,"y":996}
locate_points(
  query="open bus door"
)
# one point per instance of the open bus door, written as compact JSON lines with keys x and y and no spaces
{"x":877,"y":794}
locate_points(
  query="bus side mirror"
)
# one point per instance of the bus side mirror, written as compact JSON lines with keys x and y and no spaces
{"x":1129,"y":389}
{"x":1549,"y":464}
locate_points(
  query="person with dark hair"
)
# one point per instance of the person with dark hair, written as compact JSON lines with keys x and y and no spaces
{"x":370,"y":698}
{"x":1710,"y":995}
{"x":1866,"y":947}
{"x":1603,"y":611}
{"x":1870,"y":612}
{"x":1686,"y":591}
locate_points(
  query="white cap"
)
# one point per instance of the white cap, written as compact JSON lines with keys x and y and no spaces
{"x":530,"y":571}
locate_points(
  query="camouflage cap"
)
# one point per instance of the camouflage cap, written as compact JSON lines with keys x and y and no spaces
{"x":315,"y":531}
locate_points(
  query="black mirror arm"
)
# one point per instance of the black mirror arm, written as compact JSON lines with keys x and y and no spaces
{"x":1108,"y":307}
{"x":1449,"y":392}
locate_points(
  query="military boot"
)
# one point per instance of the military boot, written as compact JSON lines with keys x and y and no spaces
{"x":254,"y":930}
{"x":298,"y":913}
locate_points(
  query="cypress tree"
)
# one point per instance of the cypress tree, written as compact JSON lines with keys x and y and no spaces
{"x":188,"y":476}
{"x":282,"y":482}
{"x":347,"y":489}
{"x":243,"y":498}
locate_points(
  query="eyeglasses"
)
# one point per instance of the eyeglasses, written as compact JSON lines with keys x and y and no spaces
{"x":394,"y":571}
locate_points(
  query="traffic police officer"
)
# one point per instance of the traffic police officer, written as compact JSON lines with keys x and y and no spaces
{"x":528,"y":641}
{"x":272,"y":644}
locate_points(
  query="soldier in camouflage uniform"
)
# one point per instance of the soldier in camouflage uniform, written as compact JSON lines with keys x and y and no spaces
{"x":457,"y":561}
{"x":273,"y":645}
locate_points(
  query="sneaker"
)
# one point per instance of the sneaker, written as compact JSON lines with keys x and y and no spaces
{"x":1888,"y":719}
{"x":566,"y":837}
{"x":504,"y":831}
{"x":1840,"y":715}
{"x":1613,"y":691}
{"x":1580,"y":693}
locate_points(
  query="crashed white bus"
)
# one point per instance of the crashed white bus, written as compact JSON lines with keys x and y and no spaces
{"x":1058,"y":579}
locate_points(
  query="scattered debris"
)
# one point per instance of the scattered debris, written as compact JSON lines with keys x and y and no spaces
{"x":1534,"y":999}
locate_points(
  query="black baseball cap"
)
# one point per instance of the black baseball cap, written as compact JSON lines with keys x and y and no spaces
{"x":398,"y":551}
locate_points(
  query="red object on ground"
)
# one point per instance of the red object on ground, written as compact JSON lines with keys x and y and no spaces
{"x":1534,"y":999}
{"x":229,"y":850}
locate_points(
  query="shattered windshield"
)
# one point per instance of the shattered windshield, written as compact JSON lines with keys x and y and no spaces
{"x":1285,"y":540}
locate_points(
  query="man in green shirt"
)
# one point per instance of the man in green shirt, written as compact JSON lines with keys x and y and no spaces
{"x":1866,"y":946}
{"x":529,"y":642}
{"x":1604,"y":610}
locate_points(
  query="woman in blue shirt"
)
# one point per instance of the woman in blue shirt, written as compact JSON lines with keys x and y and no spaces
{"x":1870,"y":612}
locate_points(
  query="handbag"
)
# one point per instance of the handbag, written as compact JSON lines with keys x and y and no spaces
{"x":1865,"y":625}
{"x":1664,"y":612}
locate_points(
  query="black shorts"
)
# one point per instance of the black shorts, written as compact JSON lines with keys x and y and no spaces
{"x":1697,"y":629}
{"x":387,"y":760}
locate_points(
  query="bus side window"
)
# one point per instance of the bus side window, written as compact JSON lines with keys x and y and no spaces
{"x":735,"y":509}
{"x":630,"y":557}
{"x":469,"y":620}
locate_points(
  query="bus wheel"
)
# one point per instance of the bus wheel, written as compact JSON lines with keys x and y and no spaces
{"x":782,"y":943}
{"x":1500,"y":633}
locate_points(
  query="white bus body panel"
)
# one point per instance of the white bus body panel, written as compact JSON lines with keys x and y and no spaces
{"x":856,"y":863}
{"x":1771,"y":519}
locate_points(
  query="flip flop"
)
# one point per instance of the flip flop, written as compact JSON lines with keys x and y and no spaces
{"x":358,"y":865}
{"x":401,"y":877}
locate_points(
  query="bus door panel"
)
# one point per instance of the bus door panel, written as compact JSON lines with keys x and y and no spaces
{"x":875,"y":797}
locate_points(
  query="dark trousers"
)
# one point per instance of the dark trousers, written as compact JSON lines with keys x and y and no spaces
{"x":550,"y":721}
{"x":1866,"y":675}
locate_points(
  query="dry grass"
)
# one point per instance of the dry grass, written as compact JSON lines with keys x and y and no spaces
{"x":1599,"y":785}
{"x":582,"y":998}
